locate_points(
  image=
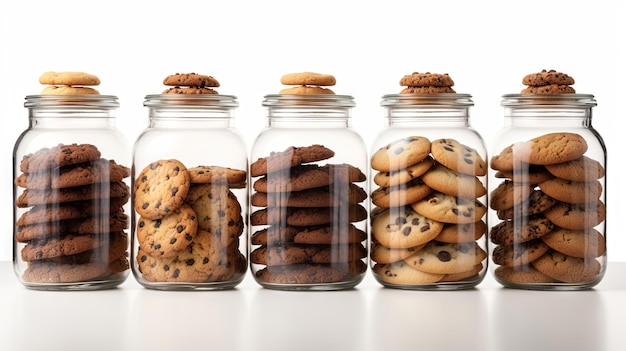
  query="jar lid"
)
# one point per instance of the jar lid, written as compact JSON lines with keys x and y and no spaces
{"x":555,"y":100}
{"x":71,"y":101}
{"x":308,"y":101}
{"x":411,"y":100}
{"x":191,"y":100}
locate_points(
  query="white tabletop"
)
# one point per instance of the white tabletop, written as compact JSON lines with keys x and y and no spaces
{"x":368,"y":317}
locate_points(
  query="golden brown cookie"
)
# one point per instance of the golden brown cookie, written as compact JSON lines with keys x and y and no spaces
{"x":68,"y":90}
{"x":401,"y":154}
{"x":308,"y":78}
{"x":306,"y":90}
{"x":160,"y":188}
{"x":566,"y":268}
{"x":582,"y":169}
{"x":68,"y":78}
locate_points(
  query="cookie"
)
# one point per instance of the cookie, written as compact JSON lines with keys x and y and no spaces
{"x":166,"y":237}
{"x":295,"y":254}
{"x":190,"y":80}
{"x":519,"y":254}
{"x":555,"y":148}
{"x":509,"y":194}
{"x":306,"y":90}
{"x":59,"y":156}
{"x":384,"y":255}
{"x":401,"y":195}
{"x":546,"y":77}
{"x":160,"y":188}
{"x":304,"y":217}
{"x":290,"y":157}
{"x":445,"y":258}
{"x":519,"y":230}
{"x":549,"y":90}
{"x":577,"y":243}
{"x":426,"y":79}
{"x":98,"y":171}
{"x":60,"y":246}
{"x":190,"y":91}
{"x":91,"y":225}
{"x":68,"y":90}
{"x":449,"y":182}
{"x":68,"y":78}
{"x":98,"y":192}
{"x":427,"y":90}
{"x":570,"y":191}
{"x":403,"y":228}
{"x":315,"y":197}
{"x":525,"y":274}
{"x":536,"y":203}
{"x":50,"y":272}
{"x":455,"y":277}
{"x":319,"y":235}
{"x":402,"y":273}
{"x":527,"y":174}
{"x":450,"y":209}
{"x":577,"y":216}
{"x":114,"y":246}
{"x":274,"y":235}
{"x":461,"y":233}
{"x":405,"y":175}
{"x":71,"y":210}
{"x":582,"y":169}
{"x":458,"y":157}
{"x":234,"y":178}
{"x":217,"y":210}
{"x":568,"y":269}
{"x":310,"y":274}
{"x":308,"y":78}
{"x":296,"y":179}
{"x":401,"y":154}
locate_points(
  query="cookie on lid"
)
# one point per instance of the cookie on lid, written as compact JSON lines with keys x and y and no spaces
{"x":427,"y":83}
{"x":190,"y":83}
{"x":548,"y":82}
{"x":69,"y":83}
{"x":307,"y":83}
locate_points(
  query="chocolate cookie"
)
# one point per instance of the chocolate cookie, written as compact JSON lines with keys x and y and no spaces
{"x":234,"y":178}
{"x":402,"y":273}
{"x":509,"y":194}
{"x":427,"y":90}
{"x":450,"y":209}
{"x":166,"y":237}
{"x":458,"y":157}
{"x":566,"y":268}
{"x":401,"y":195}
{"x":519,"y":254}
{"x":98,"y":171}
{"x":60,"y":246}
{"x":461,"y":233}
{"x":546,"y":77}
{"x":304,"y":217}
{"x":295,"y":254}
{"x":426,"y":79}
{"x":405,"y":175}
{"x":401,"y":154}
{"x":50,"y":272}
{"x":403,"y":228}
{"x":511,"y":232}
{"x":97,"y":191}
{"x":582,"y":169}
{"x":445,"y":258}
{"x":317,"y":235}
{"x":190,"y":80}
{"x":91,"y":225}
{"x":59,"y":156}
{"x":290,"y":157}
{"x":384,"y":255}
{"x":190,"y":91}
{"x":524,"y":274}
{"x":586,"y":243}
{"x":450,"y":182}
{"x":71,"y":210}
{"x":315,"y":197}
{"x":160,"y":188}
{"x":527,"y":174}
{"x":577,"y":216}
{"x":310,"y":274}
{"x":572,"y":192}
{"x":537,"y":203}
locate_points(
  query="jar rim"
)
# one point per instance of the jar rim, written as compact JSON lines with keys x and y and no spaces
{"x":412,"y":100}
{"x":311,"y":100}
{"x":190,"y":100}
{"x":565,"y":100}
{"x":64,"y":101}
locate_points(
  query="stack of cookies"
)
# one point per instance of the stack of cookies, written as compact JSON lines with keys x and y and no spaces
{"x":305,"y":218}
{"x":190,"y":223}
{"x":548,"y":83}
{"x":427,"y":83}
{"x":74,"y":229}
{"x":190,"y":83}
{"x":69,"y":83}
{"x":549,"y":202}
{"x":307,"y":83}
{"x":427,"y":217}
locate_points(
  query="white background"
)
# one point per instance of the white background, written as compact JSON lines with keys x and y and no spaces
{"x":486,"y":46}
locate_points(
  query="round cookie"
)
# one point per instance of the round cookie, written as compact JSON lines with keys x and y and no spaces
{"x":117,"y":192}
{"x":450,"y":209}
{"x":59,"y":156}
{"x":527,"y":174}
{"x":401,"y":195}
{"x":160,"y":188}
{"x":426,"y":79}
{"x":577,"y":216}
{"x":68,"y":90}
{"x":554,"y":148}
{"x":190,"y":80}
{"x":190,"y":91}
{"x":405,"y":175}
{"x":577,"y":243}
{"x":308,"y":78}
{"x":525,"y":274}
{"x":309,"y":273}
{"x":305,"y":217}
{"x":427,"y":90}
{"x":60,"y":246}
{"x":546,"y":77}
{"x":461,"y":233}
{"x":570,"y":191}
{"x":508,"y":194}
{"x":402,"y":273}
{"x":316,"y":197}
{"x":217,"y":210}
{"x":537,"y":203}
{"x":445,"y":258}
{"x":458,"y":157}
{"x":568,"y":269}
{"x":449,"y":182}
{"x":306,"y":90}
{"x":455,"y":277}
{"x":519,"y":254}
{"x":337,"y":234}
{"x":401,"y":154}
{"x":403,"y":228}
{"x":217,"y":175}
{"x":98,"y":171}
{"x":50,"y":272}
{"x":384,"y":255}
{"x":68,"y":78}
{"x":290,"y":157}
{"x":549,"y":90}
{"x":509,"y":232}
{"x":166,"y":237}
{"x":274,"y":235}
{"x":582,"y":169}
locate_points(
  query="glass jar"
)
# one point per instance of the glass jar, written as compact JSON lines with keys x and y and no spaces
{"x":547,"y":194}
{"x":307,"y":218}
{"x":71,"y":169}
{"x":189,"y":181}
{"x":428,"y":199}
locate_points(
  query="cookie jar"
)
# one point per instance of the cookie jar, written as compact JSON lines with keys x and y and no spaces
{"x":71,"y":194}
{"x":547,"y":194}
{"x":189,"y":186}
{"x":308,"y":218}
{"x":428,"y":192}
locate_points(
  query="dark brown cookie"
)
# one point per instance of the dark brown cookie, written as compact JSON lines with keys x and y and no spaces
{"x":234,"y":178}
{"x":304,"y":217}
{"x":99,"y":171}
{"x":317,"y":235}
{"x":566,"y":268}
{"x":426,"y":79}
{"x":582,"y":169}
{"x":71,"y":210}
{"x":311,"y":274}
{"x":190,"y":91}
{"x":33,"y":197}
{"x":51,"y":272}
{"x":519,"y":254}
{"x":190,"y":80}
{"x":291,"y":157}
{"x":161,"y":187}
{"x":536,"y":203}
{"x":91,"y":225}
{"x":60,"y":246}
{"x":316,"y":197}
{"x":510,"y":232}
{"x":546,"y":77}
{"x":549,"y":90}
{"x":59,"y":156}
{"x":296,"y":179}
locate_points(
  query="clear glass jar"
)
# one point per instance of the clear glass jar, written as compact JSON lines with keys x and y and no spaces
{"x":189,"y":152}
{"x":428,"y":199}
{"x":71,"y":169}
{"x":547,"y":194}
{"x":307,"y":215}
